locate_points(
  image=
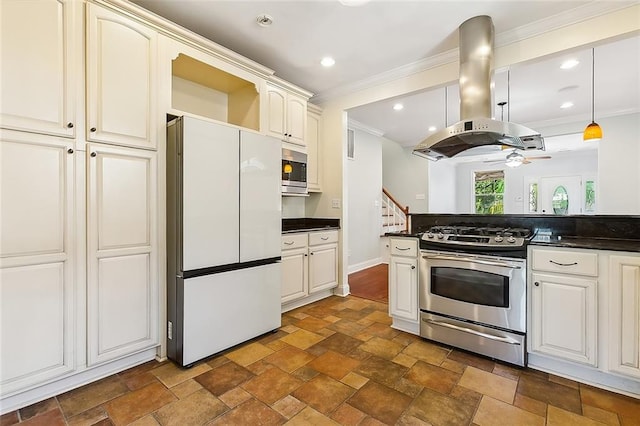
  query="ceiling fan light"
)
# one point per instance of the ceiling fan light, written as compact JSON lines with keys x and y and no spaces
{"x":593,"y":132}
{"x":513,"y":163}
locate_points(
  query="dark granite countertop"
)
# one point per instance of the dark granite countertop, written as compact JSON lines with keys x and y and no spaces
{"x":307,"y":224}
{"x":401,"y":234}
{"x":615,"y":244}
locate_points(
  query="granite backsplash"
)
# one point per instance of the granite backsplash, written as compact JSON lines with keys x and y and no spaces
{"x":592,"y":226}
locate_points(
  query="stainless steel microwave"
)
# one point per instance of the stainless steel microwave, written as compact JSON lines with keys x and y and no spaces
{"x":294,"y":172}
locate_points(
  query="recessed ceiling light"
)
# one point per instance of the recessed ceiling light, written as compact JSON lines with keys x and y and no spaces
{"x":328,"y":61}
{"x":432,"y":128}
{"x":566,"y":105}
{"x":264,"y":20}
{"x":567,"y":65}
{"x":398,"y":107}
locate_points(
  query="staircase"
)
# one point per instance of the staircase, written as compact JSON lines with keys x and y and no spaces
{"x":394,"y":216}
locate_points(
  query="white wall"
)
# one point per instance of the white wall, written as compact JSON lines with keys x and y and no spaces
{"x":582,"y":163}
{"x":405,"y":176}
{"x":442,"y":187}
{"x":618,"y":189}
{"x":364,"y":176}
{"x":619,"y":163}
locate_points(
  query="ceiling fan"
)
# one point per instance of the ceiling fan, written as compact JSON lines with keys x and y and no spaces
{"x":515,"y":159}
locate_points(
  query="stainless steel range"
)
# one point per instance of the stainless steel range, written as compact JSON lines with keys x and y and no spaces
{"x":473,"y":289}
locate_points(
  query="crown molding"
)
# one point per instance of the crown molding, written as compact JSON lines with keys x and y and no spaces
{"x":569,"y":17}
{"x":356,"y":125}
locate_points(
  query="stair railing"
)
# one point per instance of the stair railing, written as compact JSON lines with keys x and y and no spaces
{"x":394,"y":215}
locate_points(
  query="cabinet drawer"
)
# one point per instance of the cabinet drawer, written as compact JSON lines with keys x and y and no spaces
{"x":567,"y":262}
{"x":404,"y":247}
{"x":317,"y":238}
{"x":294,"y":241}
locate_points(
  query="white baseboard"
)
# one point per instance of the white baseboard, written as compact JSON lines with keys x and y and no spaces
{"x":364,"y":265}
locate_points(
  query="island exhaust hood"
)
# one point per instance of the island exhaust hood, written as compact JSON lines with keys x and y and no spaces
{"x":476,"y":128}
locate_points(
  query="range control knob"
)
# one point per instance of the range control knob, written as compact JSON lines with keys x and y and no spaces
{"x":498,"y":239}
{"x":511,"y":239}
{"x":440,"y":236}
{"x":429,"y":235}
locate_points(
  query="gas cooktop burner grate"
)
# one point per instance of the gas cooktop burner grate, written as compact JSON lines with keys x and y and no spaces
{"x":484,"y":239}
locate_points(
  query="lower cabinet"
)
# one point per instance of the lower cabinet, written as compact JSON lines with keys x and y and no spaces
{"x":309,"y":266}
{"x":584,"y":315}
{"x":403,"y":284}
{"x":563,"y":310}
{"x":624,"y":315}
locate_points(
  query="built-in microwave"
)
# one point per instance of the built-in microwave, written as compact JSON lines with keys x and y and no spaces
{"x":294,"y":172}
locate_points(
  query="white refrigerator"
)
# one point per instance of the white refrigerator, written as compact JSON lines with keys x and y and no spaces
{"x":223,"y":237}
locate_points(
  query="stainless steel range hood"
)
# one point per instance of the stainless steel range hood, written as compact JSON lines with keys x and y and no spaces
{"x":476,"y":128}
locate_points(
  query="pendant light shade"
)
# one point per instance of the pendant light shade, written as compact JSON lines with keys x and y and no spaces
{"x":593,"y":132}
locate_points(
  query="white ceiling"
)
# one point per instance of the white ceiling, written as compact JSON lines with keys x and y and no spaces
{"x":388,"y":37}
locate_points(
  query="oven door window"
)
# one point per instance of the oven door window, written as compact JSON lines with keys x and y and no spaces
{"x":466,"y":285}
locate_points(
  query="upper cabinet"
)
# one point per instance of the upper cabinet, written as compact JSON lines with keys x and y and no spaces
{"x":314,"y":148}
{"x":38,"y":57}
{"x":121,"y":79}
{"x":286,"y":115}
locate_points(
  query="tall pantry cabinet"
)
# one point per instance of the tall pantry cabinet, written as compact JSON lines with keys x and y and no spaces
{"x":78,"y":251}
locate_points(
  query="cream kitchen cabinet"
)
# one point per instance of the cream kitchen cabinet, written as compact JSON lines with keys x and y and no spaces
{"x":286,"y":115}
{"x":624,"y":314}
{"x":121,"y":79}
{"x":295,"y":267}
{"x":563,"y":304}
{"x":122,"y":280}
{"x":403,"y":284}
{"x":314,"y":148}
{"x":323,"y":260}
{"x":309,"y":267}
{"x":37,"y":249}
{"x":39,"y":66}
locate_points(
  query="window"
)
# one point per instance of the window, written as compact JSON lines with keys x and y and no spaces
{"x":350,"y":144}
{"x":533,"y":197}
{"x":489,"y":192}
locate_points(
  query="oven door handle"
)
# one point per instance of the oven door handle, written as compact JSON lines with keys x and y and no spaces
{"x":506,"y":340}
{"x":473,"y":260}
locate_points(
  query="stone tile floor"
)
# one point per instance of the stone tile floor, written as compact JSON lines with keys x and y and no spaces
{"x":336,"y":361}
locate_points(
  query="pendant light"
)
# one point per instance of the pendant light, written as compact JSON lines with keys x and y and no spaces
{"x":593,"y":132}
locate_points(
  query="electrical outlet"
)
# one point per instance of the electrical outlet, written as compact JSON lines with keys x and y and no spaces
{"x":335,"y":203}
{"x":169,"y":330}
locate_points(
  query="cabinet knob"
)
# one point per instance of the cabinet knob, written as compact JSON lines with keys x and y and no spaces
{"x":413,"y":267}
{"x":70,"y":125}
{"x":537,"y":284}
{"x":311,"y":253}
{"x":94,"y":154}
{"x":70,"y":151}
{"x":93,"y":129}
{"x":305,"y":255}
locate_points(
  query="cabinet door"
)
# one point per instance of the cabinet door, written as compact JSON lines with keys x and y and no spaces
{"x":323,"y":267}
{"x":121,"y":79}
{"x":122,"y":282}
{"x":563,"y":317}
{"x":296,"y":119}
{"x":38,"y":63}
{"x":403,"y":287}
{"x":276,"y":118}
{"x":313,"y":141}
{"x":37,"y":337}
{"x":294,"y":274}
{"x":624,"y":315}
